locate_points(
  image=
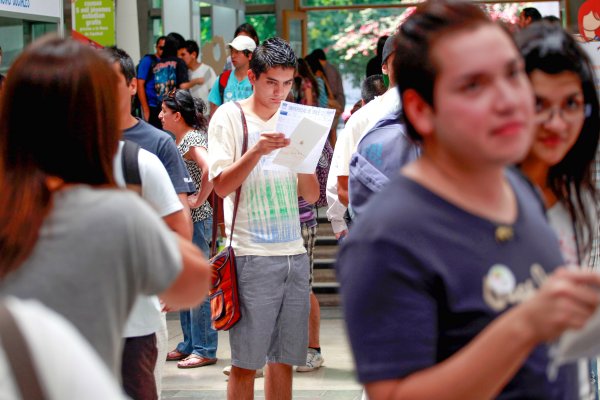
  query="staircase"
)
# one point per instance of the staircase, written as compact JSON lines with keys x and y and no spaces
{"x":325,"y":285}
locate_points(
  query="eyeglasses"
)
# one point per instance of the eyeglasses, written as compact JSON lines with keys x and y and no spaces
{"x":572,"y":111}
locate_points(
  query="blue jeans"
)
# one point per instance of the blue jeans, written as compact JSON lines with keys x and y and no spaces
{"x":198,"y":335}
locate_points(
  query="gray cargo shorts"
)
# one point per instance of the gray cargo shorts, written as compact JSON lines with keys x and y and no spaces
{"x":275,"y":305}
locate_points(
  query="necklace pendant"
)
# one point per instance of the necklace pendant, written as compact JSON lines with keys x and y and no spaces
{"x":504,"y":233}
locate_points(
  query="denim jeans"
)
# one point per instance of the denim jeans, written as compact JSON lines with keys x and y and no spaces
{"x":198,"y":336}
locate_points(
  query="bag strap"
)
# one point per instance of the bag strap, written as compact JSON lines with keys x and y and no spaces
{"x":237,"y":192}
{"x":129,"y":162}
{"x":19,"y":357}
{"x":223,"y":79}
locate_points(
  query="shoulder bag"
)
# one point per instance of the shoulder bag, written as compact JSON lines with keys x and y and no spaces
{"x":223,"y":295}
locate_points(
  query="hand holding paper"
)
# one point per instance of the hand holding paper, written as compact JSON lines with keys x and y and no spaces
{"x":583,"y":342}
{"x":271,"y":141}
{"x":303,"y":140}
{"x":307,"y":128}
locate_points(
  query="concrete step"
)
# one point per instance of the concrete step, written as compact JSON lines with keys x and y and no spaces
{"x":325,"y":285}
{"x":325,"y":229}
{"x":326,"y":240}
{"x":324,"y":263}
{"x":326,"y":251}
{"x":324,"y":275}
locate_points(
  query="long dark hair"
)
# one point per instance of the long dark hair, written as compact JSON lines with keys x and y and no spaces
{"x":76,"y":88}
{"x":305,"y":72}
{"x":192,"y":109}
{"x":548,"y":48}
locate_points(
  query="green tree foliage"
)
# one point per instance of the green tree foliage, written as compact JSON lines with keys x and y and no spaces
{"x":265,"y":25}
{"x":349,"y":37}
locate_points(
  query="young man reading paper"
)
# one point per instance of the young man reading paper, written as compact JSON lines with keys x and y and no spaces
{"x":272,"y":266}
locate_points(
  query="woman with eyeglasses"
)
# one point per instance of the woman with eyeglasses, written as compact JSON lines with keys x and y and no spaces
{"x":183,"y":116}
{"x":561,"y":158}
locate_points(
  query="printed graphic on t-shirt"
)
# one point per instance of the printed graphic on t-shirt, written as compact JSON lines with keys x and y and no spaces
{"x":501,"y":290}
{"x":165,"y":76}
{"x":272,"y":203}
{"x":237,"y":91}
{"x":272,"y":206}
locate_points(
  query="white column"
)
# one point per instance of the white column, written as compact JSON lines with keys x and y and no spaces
{"x":195,"y":15}
{"x":224,"y":22}
{"x":126,"y":23}
{"x":177,"y":17}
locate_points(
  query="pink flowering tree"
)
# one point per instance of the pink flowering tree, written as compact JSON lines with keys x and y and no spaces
{"x":350,"y":37}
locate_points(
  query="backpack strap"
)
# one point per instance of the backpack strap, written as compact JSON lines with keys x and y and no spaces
{"x":154,"y":61}
{"x":18,"y":356}
{"x":129,"y":162}
{"x":223,"y":78}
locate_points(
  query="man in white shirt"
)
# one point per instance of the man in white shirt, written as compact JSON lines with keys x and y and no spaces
{"x":202,"y":76}
{"x":358,"y":124}
{"x":273,"y":269}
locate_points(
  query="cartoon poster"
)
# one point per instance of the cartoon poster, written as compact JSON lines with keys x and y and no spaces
{"x":588,"y":20}
{"x":588,"y":24}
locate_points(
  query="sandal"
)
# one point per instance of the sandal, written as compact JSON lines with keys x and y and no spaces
{"x":195,"y":361}
{"x":176,"y":355}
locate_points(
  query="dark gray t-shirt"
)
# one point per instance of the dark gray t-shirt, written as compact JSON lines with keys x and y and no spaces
{"x":420,"y":278}
{"x":97,"y":250}
{"x":163,"y":146}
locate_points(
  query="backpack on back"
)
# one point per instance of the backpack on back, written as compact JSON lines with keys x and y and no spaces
{"x":136,"y":105}
{"x":223,"y":78}
{"x":380,"y":154}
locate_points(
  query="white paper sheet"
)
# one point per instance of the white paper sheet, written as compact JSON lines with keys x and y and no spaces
{"x":307,"y":127}
{"x":575,"y":344}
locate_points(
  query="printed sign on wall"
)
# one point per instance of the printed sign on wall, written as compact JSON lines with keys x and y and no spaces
{"x":94,"y":22}
{"x":46,"y":8}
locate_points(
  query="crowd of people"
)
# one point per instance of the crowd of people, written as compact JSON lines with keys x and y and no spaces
{"x":461,"y":189}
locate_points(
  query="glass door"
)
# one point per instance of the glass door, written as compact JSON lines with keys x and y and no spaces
{"x":295,"y":32}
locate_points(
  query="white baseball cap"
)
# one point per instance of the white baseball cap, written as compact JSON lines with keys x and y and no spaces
{"x":242,"y":42}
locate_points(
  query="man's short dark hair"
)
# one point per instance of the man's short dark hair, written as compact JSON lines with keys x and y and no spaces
{"x":380,"y":43}
{"x":159,"y":39}
{"x":552,"y":19}
{"x":372,"y":86}
{"x":273,"y":52}
{"x":192,"y":47}
{"x":119,"y":55}
{"x":249,"y":29}
{"x":178,"y":38}
{"x":531,"y":12}
{"x":432,"y":20}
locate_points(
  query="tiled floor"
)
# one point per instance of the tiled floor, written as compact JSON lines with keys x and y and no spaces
{"x":334,"y":381}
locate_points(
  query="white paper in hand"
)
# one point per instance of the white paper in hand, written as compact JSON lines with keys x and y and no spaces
{"x":575,"y":344}
{"x":304,"y":141}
